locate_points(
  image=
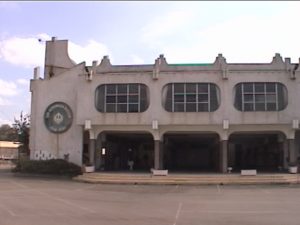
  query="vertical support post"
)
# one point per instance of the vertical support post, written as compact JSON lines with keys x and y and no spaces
{"x":92,"y":146}
{"x":157,"y":154}
{"x":98,"y":153}
{"x":292,"y":150}
{"x":223,"y":156}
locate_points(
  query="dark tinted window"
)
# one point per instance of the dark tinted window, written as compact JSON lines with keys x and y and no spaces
{"x":121,"y":98}
{"x":191,"y":97}
{"x":260,"y":96}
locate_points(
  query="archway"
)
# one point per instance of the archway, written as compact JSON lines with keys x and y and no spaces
{"x":191,"y":151}
{"x":126,"y":151}
{"x":256,"y":150}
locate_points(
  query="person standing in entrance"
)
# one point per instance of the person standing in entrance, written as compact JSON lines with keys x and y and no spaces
{"x":130,"y":159}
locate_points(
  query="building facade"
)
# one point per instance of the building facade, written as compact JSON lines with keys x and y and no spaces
{"x":9,"y":150}
{"x":180,"y":117}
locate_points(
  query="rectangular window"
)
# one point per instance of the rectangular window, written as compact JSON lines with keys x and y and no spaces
{"x":133,"y":89}
{"x":191,"y":88}
{"x":111,"y":89}
{"x":203,"y":98}
{"x":110,"y":107}
{"x":248,"y":88}
{"x":133,"y":107}
{"x":179,"y":107}
{"x":122,"y":88}
{"x":111,"y":99}
{"x":178,"y":98}
{"x":133,"y":98}
{"x":248,"y":98}
{"x":191,"y":98}
{"x":179,"y":88}
{"x":121,"y":107}
{"x":259,"y":88}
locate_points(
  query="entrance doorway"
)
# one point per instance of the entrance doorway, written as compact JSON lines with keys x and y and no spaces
{"x":85,"y":148}
{"x":191,"y":152}
{"x":128,"y":151}
{"x":263,"y":152}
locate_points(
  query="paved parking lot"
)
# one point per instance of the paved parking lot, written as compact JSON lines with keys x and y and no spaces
{"x":45,"y":201}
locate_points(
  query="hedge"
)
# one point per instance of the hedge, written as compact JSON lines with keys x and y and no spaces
{"x":51,"y":166}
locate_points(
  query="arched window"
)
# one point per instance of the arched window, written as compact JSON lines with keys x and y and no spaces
{"x":260,"y":96}
{"x":124,"y":98}
{"x":191,"y":97}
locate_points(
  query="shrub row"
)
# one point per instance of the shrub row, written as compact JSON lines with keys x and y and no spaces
{"x":52,"y":166}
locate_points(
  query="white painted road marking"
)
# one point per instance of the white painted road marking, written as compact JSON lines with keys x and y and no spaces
{"x":50,"y":196}
{"x":177,"y":213}
{"x":65,"y":201}
{"x":233,"y":212}
{"x":7,"y":210}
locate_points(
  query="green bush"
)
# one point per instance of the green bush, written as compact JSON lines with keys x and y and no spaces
{"x":52,"y":166}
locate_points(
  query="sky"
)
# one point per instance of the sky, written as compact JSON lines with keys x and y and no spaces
{"x":137,"y":32}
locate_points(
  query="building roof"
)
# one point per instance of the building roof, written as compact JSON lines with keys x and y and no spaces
{"x":9,"y":144}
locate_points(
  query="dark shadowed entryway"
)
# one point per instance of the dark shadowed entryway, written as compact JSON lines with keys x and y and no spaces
{"x":260,"y":151}
{"x":128,"y":151}
{"x":191,"y":152}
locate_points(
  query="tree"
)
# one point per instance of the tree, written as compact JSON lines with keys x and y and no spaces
{"x":22,"y":126}
{"x":8,"y":133}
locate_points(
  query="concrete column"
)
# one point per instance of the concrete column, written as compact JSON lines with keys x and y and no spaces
{"x":158,"y":158}
{"x":292,"y":150}
{"x":92,"y":146}
{"x":98,"y":153}
{"x":223,"y":156}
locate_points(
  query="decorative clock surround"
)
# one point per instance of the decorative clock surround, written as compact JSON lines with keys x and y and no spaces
{"x":58,"y":117}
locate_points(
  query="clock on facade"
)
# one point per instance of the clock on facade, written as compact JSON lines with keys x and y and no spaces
{"x":58,"y":117}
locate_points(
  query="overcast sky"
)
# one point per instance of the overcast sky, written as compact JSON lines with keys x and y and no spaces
{"x":136,"y":33}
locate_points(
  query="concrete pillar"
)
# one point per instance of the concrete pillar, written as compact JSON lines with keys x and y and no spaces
{"x":92,"y":146}
{"x":292,"y":150}
{"x":223,"y":156}
{"x":158,"y":155}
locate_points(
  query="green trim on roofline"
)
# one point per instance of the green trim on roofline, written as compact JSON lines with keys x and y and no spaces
{"x":191,"y":64}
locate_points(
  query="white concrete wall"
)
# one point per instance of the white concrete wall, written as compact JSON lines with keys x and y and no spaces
{"x":226,"y":111}
{"x":72,"y":87}
{"x":57,"y":89}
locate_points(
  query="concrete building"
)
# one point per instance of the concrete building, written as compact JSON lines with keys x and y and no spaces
{"x":180,"y":117}
{"x":8,"y":150}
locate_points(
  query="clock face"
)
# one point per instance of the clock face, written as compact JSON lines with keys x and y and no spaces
{"x":58,"y":117}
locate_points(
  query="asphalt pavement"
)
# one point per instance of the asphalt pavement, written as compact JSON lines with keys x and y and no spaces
{"x":26,"y":200}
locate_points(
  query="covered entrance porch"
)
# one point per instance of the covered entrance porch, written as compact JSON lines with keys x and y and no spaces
{"x":191,"y":152}
{"x":264,"y":152}
{"x":125,"y":151}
